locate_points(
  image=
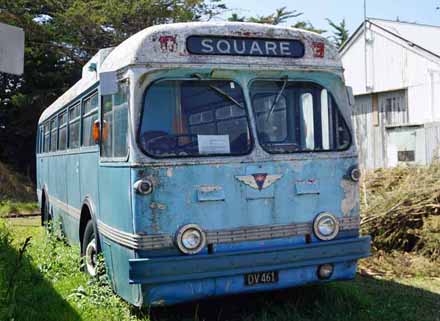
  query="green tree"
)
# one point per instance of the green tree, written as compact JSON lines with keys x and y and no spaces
{"x":281,"y":15}
{"x":340,"y":32}
{"x":61,"y":35}
{"x":235,"y":17}
{"x":306,"y":25}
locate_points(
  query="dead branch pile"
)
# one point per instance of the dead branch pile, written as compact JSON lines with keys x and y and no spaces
{"x":14,"y":186}
{"x":401,"y":209}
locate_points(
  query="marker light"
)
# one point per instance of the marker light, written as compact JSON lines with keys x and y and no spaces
{"x":354,"y":173}
{"x":325,"y":271}
{"x":326,"y":226}
{"x":190,"y":239}
{"x":143,"y":186}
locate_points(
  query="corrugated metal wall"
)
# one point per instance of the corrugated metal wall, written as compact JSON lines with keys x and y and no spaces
{"x":432,"y":141}
{"x":384,"y":137}
{"x":371,"y":115}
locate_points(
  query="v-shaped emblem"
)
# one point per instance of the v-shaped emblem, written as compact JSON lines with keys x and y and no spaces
{"x":258,"y":181}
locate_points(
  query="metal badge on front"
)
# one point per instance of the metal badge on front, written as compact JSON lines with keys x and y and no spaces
{"x":258,"y":181}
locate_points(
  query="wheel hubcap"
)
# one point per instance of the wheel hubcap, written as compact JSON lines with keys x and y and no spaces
{"x":91,"y":257}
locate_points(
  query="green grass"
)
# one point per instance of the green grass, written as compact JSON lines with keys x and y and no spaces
{"x":13,"y":207}
{"x":49,"y":286}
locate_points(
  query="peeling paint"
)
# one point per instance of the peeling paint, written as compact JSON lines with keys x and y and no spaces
{"x":160,"y":302}
{"x":168,"y":43}
{"x":159,"y":206}
{"x":209,"y":188}
{"x":351,"y":196}
{"x":228,"y":285}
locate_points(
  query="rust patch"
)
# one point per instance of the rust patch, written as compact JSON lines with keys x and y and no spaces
{"x":159,"y":206}
{"x":209,"y":188}
{"x":351,"y":196}
{"x":160,"y":302}
{"x":318,"y":49}
{"x":168,"y":43}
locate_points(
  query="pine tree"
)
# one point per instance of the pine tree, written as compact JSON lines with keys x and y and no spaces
{"x":306,"y":25}
{"x":281,"y":15}
{"x":340,"y":32}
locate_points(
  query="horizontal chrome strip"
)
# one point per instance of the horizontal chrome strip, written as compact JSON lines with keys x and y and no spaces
{"x":158,"y":241}
{"x":71,"y":211}
{"x":135,"y":241}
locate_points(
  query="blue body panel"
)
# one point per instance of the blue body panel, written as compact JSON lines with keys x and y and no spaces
{"x":220,"y":274}
{"x":178,"y":198}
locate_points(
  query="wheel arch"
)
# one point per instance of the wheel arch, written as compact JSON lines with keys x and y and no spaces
{"x":88,"y":212}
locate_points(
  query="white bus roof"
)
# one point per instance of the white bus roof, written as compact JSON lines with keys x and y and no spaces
{"x":167,"y":44}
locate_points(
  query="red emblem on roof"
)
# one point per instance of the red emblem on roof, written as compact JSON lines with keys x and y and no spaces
{"x":318,"y":49}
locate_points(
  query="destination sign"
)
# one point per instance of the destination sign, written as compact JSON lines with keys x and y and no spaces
{"x":240,"y":46}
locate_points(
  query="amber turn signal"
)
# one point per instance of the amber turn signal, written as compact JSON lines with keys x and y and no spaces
{"x":96,"y":131}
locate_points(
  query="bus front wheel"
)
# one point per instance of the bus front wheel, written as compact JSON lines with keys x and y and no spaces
{"x":90,"y":249}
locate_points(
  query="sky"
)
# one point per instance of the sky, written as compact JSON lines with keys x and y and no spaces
{"x":316,"y":11}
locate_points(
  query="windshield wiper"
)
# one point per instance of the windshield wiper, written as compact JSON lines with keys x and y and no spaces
{"x":277,"y":98}
{"x":221,"y":92}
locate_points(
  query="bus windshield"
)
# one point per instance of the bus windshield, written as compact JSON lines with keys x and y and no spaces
{"x":194,"y":118}
{"x":297,"y":117}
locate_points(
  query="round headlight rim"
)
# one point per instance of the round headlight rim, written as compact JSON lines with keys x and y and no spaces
{"x":181,"y":231}
{"x":354,"y":173}
{"x":138,"y":186}
{"x":318,"y":218}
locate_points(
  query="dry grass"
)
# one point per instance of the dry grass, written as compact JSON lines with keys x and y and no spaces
{"x":401,"y":209}
{"x":14,"y":186}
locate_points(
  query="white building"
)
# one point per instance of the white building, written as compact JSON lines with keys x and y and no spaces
{"x":394,"y":69}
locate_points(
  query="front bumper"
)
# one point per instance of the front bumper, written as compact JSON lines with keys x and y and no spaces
{"x":159,"y":271}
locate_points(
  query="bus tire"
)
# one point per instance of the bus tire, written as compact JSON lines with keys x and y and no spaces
{"x":90,"y":249}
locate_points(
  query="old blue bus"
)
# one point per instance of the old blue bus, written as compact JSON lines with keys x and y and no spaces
{"x":206,"y":159}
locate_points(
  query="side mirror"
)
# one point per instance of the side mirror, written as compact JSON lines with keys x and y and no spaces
{"x":350,"y":95}
{"x":108,"y":82}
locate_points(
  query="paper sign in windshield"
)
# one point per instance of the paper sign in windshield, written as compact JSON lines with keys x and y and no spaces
{"x":213,"y":144}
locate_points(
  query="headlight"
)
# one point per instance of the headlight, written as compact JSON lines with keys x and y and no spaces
{"x":326,"y":226}
{"x":190,"y":239}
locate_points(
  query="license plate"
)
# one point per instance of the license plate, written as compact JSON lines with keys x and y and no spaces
{"x":251,"y":279}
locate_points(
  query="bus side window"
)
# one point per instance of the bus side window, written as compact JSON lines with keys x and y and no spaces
{"x":38,"y":140}
{"x":74,"y":118}
{"x":53,"y":135}
{"x":115,"y":123}
{"x":90,"y":115}
{"x":62,"y":120}
{"x":46,"y":138}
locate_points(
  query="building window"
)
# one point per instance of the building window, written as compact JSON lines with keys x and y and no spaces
{"x":393,"y":106}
